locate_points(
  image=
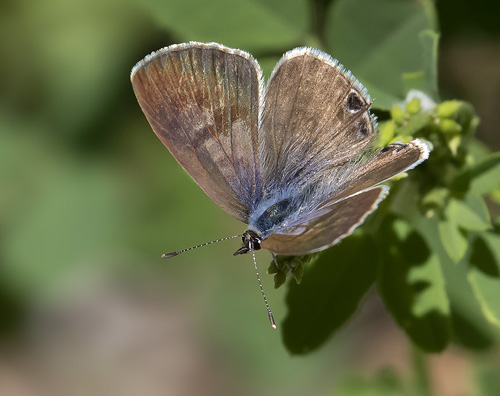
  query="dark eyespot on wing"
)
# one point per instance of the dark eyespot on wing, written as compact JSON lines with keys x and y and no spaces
{"x":363,"y":128}
{"x":354,"y":102}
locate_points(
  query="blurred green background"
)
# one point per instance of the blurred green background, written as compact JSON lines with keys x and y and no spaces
{"x":90,"y":199}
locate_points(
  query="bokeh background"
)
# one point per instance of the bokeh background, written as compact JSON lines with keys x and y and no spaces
{"x":90,"y":199}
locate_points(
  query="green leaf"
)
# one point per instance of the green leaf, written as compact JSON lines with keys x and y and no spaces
{"x":386,"y":132}
{"x":480,"y":178}
{"x":398,"y":114}
{"x":329,"y":293}
{"x":412,"y":286}
{"x":495,"y":195}
{"x":484,"y":278}
{"x":425,"y":80}
{"x":487,"y":291}
{"x":492,"y":239}
{"x":453,"y":239}
{"x":450,"y":127}
{"x":289,"y":266}
{"x":413,"y":106}
{"x":436,"y":198}
{"x":245,"y":24}
{"x":471,"y":214}
{"x":449,"y":109}
{"x":382,"y":42}
{"x":470,"y":327}
{"x":414,"y":124}
{"x":462,"y":216}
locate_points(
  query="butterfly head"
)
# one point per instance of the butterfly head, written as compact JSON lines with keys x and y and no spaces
{"x":251,"y":241}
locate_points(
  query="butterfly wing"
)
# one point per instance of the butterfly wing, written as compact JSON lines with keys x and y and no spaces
{"x":357,"y":197}
{"x":315,"y":117}
{"x":339,"y":219}
{"x":387,"y":163}
{"x":202,"y":101}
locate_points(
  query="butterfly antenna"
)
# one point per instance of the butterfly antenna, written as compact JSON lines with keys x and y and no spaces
{"x":269,"y":313}
{"x":172,"y":254}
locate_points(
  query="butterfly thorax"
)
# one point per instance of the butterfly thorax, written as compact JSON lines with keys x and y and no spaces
{"x":274,"y":215}
{"x":282,"y":210}
{"x":263,"y":222}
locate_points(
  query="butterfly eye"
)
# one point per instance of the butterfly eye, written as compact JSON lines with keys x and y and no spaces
{"x":354,"y":103}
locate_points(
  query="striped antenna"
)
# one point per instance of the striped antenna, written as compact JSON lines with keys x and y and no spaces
{"x":269,"y":313}
{"x":172,"y":254}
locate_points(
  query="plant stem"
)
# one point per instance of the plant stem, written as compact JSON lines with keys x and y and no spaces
{"x":421,"y":373}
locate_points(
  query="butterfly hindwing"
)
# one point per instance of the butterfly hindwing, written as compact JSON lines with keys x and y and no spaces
{"x":339,"y":221}
{"x":354,"y":199}
{"x":383,"y":165}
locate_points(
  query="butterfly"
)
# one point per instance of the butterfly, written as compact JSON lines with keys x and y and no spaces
{"x":287,"y":158}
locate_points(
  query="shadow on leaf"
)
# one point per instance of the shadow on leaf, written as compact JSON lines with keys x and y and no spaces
{"x":329,"y":294}
{"x":412,"y":286}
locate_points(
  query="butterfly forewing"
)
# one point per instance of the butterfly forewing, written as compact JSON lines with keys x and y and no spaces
{"x":202,"y":101}
{"x":315,"y":117}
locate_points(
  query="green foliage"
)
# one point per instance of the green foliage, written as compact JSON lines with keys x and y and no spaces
{"x":79,"y":182}
{"x":289,"y":266}
{"x":411,"y":284}
{"x":433,"y":235}
{"x":390,"y":46}
{"x":385,"y":383}
{"x":272,"y":25}
{"x":342,"y":274}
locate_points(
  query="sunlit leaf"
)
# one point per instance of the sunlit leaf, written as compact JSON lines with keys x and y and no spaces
{"x":453,"y":239}
{"x":484,"y":277}
{"x":481,"y":177}
{"x":412,"y":286}
{"x":470,"y":327}
{"x":487,"y":291}
{"x":471,"y":214}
